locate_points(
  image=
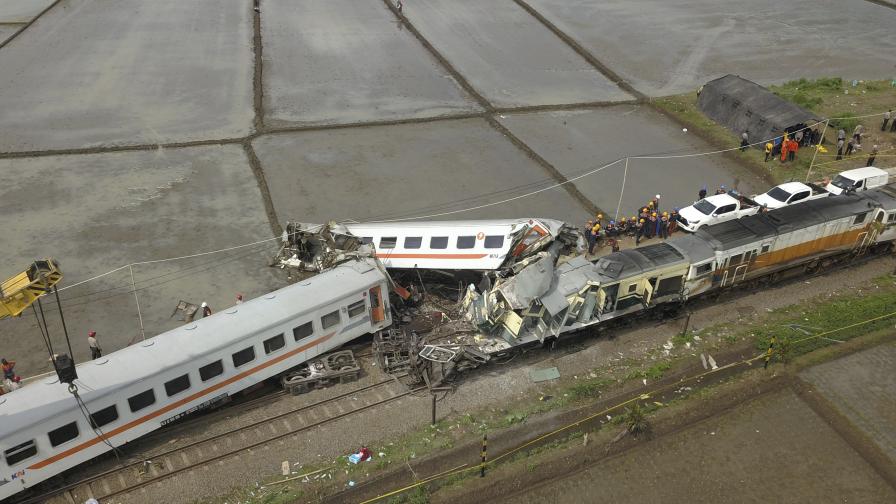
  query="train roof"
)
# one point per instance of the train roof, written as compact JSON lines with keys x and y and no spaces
{"x":630,"y":262}
{"x":194,"y":341}
{"x":555,"y":225}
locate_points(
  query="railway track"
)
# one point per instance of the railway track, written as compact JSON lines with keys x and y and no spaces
{"x":134,"y":475}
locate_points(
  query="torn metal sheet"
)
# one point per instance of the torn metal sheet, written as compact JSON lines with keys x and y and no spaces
{"x":531,"y":282}
{"x":318,"y":247}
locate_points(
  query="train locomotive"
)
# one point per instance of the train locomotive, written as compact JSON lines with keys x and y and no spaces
{"x":556,"y":294}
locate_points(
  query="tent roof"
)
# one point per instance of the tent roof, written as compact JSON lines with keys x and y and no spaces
{"x":761,"y":101}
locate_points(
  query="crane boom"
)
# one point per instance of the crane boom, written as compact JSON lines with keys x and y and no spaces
{"x":22,"y":290}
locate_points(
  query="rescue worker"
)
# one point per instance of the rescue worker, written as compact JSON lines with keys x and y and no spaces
{"x":595,"y":232}
{"x":785,"y":146}
{"x":768,"y":150}
{"x":673,"y":221}
{"x":95,"y":351}
{"x":206,"y":311}
{"x":664,"y":226}
{"x":850,"y":147}
{"x":633,"y":226}
{"x":599,"y":219}
{"x":622,"y":227}
{"x":887,"y":114}
{"x":871,"y":158}
{"x":702,"y":193}
{"x":9,"y":371}
{"x":841,"y":134}
{"x":656,"y":202}
{"x":744,"y":141}
{"x":839,"y":149}
{"x":651,"y":228}
{"x":639,"y":231}
{"x":592,"y":240}
{"x":791,"y":150}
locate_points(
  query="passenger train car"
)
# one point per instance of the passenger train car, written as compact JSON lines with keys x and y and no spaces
{"x":138,"y":389}
{"x":543,"y":301}
{"x":457,"y":245}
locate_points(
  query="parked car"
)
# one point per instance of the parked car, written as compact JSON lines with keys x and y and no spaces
{"x":714,"y":209}
{"x":790,"y":193}
{"x":860,"y":179}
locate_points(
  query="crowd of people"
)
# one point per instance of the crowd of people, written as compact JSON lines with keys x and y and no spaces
{"x":651,"y":222}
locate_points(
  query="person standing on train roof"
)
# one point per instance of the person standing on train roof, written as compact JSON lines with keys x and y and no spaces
{"x":95,"y":351}
{"x":206,"y":311}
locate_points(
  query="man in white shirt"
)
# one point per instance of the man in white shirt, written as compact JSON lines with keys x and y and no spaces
{"x":95,"y":351}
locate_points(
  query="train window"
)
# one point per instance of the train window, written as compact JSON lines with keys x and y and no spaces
{"x":766,"y":248}
{"x":860,"y":219}
{"x":438,"y":242}
{"x":366,"y":240}
{"x":63,"y":434}
{"x":632,"y":288}
{"x":271,"y":345}
{"x":735,"y":259}
{"x":466,"y":242}
{"x":176,"y":385}
{"x":104,"y":416}
{"x":20,"y":452}
{"x":243,"y":356}
{"x":142,"y":400}
{"x":303,"y":331}
{"x":892,"y":217}
{"x":356,"y":309}
{"x":212,"y":370}
{"x":329,"y":320}
{"x":388,"y":242}
{"x":703,"y":269}
{"x":496,"y":241}
{"x":413,"y":242}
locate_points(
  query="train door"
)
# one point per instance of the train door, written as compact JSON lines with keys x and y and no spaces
{"x":647,"y":288}
{"x":377,"y":308}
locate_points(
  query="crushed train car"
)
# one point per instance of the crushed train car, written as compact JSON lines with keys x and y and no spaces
{"x":471,"y":245}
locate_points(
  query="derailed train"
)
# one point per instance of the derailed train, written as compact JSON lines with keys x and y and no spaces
{"x":531,"y":299}
{"x":553,"y":294}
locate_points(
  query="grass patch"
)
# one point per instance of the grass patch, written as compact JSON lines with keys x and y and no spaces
{"x":829,"y":97}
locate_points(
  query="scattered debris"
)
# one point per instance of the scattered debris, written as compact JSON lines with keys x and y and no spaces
{"x":547,"y":374}
{"x":337,"y":367}
{"x":284,"y":468}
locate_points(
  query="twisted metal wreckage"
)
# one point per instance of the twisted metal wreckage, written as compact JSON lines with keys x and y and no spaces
{"x":479,"y":324}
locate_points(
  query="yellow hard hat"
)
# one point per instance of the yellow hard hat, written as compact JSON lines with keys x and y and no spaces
{"x":653,"y":214}
{"x":665,"y":214}
{"x":600,"y":216}
{"x":634,"y":218}
{"x":642,"y":221}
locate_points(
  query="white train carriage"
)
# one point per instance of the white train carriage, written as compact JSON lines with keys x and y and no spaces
{"x":456,"y":245}
{"x":140,"y":388}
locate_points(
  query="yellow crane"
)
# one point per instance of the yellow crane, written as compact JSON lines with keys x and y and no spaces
{"x":22,"y":290}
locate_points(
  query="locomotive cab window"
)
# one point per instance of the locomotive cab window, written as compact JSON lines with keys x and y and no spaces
{"x":244,"y":356}
{"x":210,"y":371}
{"x":356,"y":308}
{"x":703,"y":269}
{"x":176,"y":385}
{"x":466,"y":242}
{"x":413,"y":242}
{"x":142,"y":400}
{"x":632,"y":288}
{"x":20,"y":452}
{"x":329,"y":320}
{"x":496,"y":241}
{"x":438,"y":242}
{"x":766,"y":248}
{"x":63,"y":434}
{"x":104,"y":416}
{"x":860,"y":219}
{"x":366,"y":240}
{"x":303,"y":331}
{"x":388,"y":242}
{"x":271,"y":345}
{"x":735,"y":260}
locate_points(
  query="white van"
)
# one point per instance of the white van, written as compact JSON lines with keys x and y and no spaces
{"x":860,"y":179}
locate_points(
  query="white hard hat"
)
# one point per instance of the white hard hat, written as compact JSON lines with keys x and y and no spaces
{"x":204,"y":304}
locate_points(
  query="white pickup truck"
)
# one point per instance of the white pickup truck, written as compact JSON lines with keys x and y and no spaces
{"x":714,"y":209}
{"x":789,"y":193}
